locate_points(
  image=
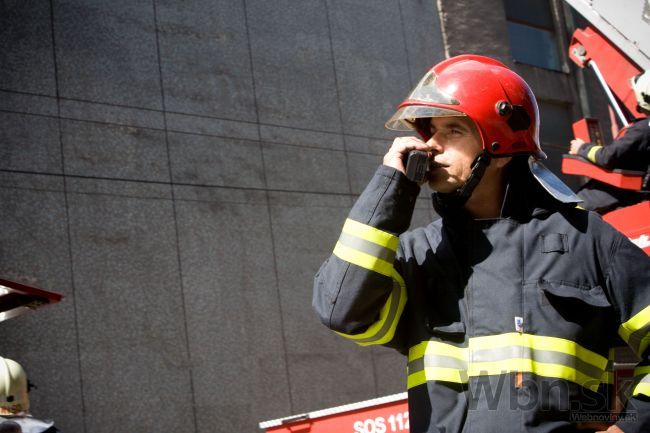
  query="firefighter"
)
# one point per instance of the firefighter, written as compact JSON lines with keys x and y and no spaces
{"x":14,"y":401}
{"x":508,"y":305}
{"x":629,"y":151}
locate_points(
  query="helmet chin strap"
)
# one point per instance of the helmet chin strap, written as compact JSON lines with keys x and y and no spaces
{"x":459,"y":197}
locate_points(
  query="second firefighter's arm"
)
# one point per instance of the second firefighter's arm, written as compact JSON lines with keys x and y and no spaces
{"x":628,"y":281}
{"x":621,"y":152}
{"x":358,"y":291}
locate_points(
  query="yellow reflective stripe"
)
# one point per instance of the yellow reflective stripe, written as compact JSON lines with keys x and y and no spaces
{"x":441,"y":353}
{"x":591,"y":154}
{"x":416,"y":379}
{"x":639,"y":371}
{"x":643,"y":388}
{"x":367,"y":247}
{"x":635,"y":331}
{"x":503,"y":354}
{"x":418,"y":350}
{"x":371,"y":234}
{"x":433,"y":374}
{"x":539,"y":342}
{"x":363,"y":260}
{"x":511,"y":352}
{"x":607,"y":377}
{"x":638,"y":321}
{"x":370,"y":248}
{"x":383,"y":330}
{"x":422,"y":356}
{"x":436,"y":347}
{"x":531,"y":366}
{"x":642,"y":380}
{"x":502,"y":367}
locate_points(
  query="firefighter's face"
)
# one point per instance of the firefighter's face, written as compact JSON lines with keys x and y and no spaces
{"x":455,"y":143}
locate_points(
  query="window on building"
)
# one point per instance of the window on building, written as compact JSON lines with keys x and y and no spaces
{"x":555,"y":135}
{"x":555,"y":124}
{"x":531,"y":31}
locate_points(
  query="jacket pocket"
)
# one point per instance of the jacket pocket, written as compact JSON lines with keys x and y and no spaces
{"x":593,"y":296}
{"x":442,"y":315}
{"x":454,"y":329}
{"x":581,"y":314}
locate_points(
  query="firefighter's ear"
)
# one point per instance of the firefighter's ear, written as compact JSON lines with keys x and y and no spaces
{"x":501,"y":162}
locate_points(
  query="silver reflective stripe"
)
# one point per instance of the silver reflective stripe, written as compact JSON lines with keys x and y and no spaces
{"x":433,"y":360}
{"x":390,"y":318}
{"x":544,"y":356}
{"x":367,"y":247}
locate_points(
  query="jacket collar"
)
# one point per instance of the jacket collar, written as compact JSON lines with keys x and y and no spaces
{"x":524,"y":198}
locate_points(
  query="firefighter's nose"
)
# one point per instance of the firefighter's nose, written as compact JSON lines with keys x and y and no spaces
{"x":434,"y":147}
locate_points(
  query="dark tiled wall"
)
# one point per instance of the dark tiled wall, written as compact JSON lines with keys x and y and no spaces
{"x":179,"y":170}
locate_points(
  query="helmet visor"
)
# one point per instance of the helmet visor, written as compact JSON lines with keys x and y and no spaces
{"x":551,"y":183}
{"x":419,"y":104}
{"x":404,"y":119}
{"x":427,"y":90}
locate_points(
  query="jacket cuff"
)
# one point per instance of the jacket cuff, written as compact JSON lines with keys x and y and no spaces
{"x":388,"y":201}
{"x":584,"y":150}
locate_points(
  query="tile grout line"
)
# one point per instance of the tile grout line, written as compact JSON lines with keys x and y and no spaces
{"x":338,"y":94}
{"x":269,"y":213}
{"x":68,"y":222}
{"x":192,"y":115}
{"x":175,"y":216}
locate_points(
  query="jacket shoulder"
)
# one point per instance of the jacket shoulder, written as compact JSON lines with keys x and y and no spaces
{"x":420,"y":238}
{"x":590,"y":224}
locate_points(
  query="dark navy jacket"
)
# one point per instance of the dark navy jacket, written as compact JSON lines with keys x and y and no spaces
{"x":507,"y":323}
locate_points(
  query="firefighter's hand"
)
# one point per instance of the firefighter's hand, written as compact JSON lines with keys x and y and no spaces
{"x":598,"y":427}
{"x":611,"y":429}
{"x":396,"y":155}
{"x":576,"y":143}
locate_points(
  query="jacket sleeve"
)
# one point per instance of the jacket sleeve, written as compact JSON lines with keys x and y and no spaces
{"x":628,"y":281}
{"x":626,"y":151}
{"x":358,"y":291}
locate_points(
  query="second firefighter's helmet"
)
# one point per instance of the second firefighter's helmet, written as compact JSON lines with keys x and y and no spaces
{"x":13,"y":387}
{"x":641,"y":87}
{"x":498,"y":100}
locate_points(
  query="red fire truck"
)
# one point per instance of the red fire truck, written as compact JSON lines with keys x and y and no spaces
{"x":17,"y":298}
{"x":388,"y":414}
{"x":616,"y":47}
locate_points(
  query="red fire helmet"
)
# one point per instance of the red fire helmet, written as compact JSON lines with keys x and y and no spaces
{"x":498,"y":100}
